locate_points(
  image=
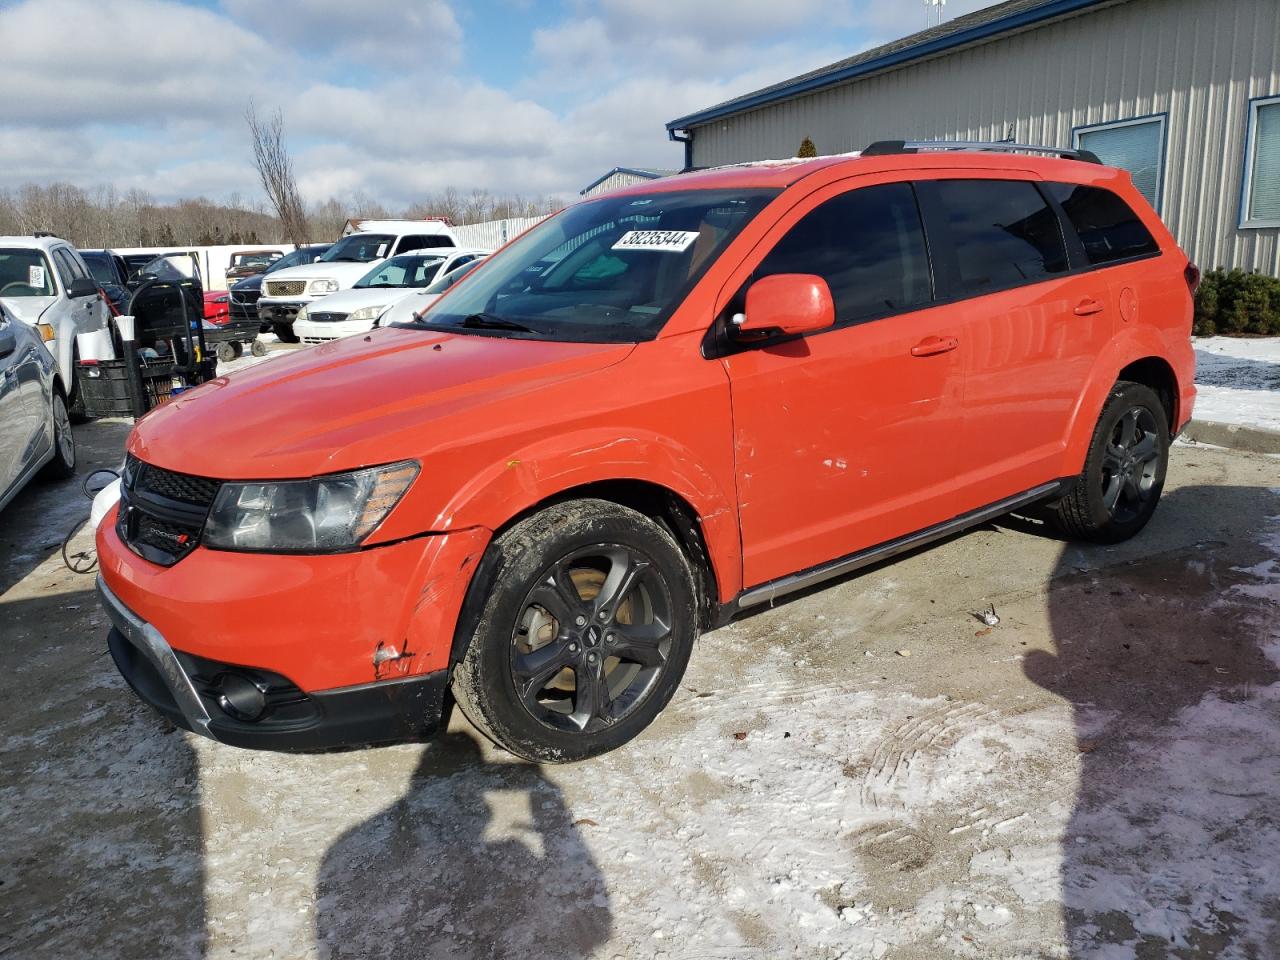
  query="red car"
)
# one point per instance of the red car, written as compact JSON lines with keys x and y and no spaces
{"x":653,"y":410}
{"x":217,"y":307}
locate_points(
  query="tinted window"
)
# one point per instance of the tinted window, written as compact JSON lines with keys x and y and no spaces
{"x":101,"y":266}
{"x":419,"y":243}
{"x":1003,"y":233}
{"x":1108,"y":227}
{"x":868,"y":245}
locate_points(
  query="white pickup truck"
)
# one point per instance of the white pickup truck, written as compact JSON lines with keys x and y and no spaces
{"x":287,"y":291}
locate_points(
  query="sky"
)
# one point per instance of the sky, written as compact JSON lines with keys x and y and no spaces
{"x":393,"y":99}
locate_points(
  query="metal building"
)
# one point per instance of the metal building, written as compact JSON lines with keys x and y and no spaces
{"x":620,"y":177}
{"x":1185,"y":94}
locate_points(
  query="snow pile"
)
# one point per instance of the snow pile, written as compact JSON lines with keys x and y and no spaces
{"x":1238,"y":381}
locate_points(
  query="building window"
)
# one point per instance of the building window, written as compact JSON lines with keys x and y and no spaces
{"x":1133,"y":145}
{"x":1261,"y":207}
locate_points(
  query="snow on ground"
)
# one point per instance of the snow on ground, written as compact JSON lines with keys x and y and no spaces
{"x":1238,"y":380}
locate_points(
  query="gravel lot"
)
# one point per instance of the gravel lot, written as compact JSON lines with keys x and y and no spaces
{"x":865,"y":771}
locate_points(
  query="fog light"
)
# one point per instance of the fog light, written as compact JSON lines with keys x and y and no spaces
{"x":240,"y":697}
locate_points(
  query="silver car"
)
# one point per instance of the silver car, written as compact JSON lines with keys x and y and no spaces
{"x":35,"y":431}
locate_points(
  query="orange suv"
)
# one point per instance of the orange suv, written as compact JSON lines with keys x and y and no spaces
{"x":653,"y":410}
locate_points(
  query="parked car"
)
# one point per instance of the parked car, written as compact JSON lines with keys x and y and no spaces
{"x":45,"y":283}
{"x":245,"y":293}
{"x":287,"y":292}
{"x":35,"y":427}
{"x":356,"y":310}
{"x":413,"y":306}
{"x":111,"y":272}
{"x":249,"y":263}
{"x":718,"y":389}
{"x":217,"y":306}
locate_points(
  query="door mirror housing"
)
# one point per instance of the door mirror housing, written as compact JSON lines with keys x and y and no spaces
{"x":82,"y":287}
{"x":786,"y":304}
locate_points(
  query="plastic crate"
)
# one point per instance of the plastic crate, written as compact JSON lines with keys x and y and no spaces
{"x":104,"y":386}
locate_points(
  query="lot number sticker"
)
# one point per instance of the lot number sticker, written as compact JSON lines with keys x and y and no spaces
{"x":35,"y":277}
{"x":667,"y":241}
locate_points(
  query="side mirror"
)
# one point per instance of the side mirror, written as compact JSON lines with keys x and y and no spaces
{"x":786,"y":304}
{"x":82,"y":287}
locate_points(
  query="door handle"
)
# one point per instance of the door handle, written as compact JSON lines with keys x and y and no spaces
{"x":1088,"y":307}
{"x":932,"y":346}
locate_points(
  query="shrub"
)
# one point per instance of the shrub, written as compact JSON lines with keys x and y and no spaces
{"x":807,"y":149}
{"x":1233,"y":302}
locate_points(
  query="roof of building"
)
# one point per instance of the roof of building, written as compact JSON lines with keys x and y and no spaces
{"x":648,"y":173}
{"x":985,"y":24}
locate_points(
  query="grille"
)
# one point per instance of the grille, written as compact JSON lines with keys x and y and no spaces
{"x":285,"y":288}
{"x":245,"y":296}
{"x":327,"y":317}
{"x":162,"y":512}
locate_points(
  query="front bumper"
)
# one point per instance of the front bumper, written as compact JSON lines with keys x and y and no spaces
{"x":187,"y":690}
{"x":312,"y":332}
{"x":280,"y":311}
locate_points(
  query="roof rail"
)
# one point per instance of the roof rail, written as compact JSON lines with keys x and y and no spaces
{"x":886,"y":148}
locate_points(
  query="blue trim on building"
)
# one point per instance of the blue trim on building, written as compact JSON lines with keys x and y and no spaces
{"x":1134,"y":121}
{"x":647,"y":174}
{"x":984,"y":31}
{"x":1242,"y":221}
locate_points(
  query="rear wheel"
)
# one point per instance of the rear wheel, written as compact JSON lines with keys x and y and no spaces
{"x":258,"y":348}
{"x":226,"y":352}
{"x":1124,"y":471}
{"x":63,"y":464}
{"x":584,"y":636}
{"x":75,"y":403}
{"x":284,"y":332}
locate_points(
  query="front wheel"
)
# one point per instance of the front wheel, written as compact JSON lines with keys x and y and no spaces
{"x":63,"y":464}
{"x":284,"y":332}
{"x":226,"y":352}
{"x":584,"y":635}
{"x":258,"y":348}
{"x":1124,"y":471}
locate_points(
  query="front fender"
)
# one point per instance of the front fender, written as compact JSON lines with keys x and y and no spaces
{"x":553,"y":465}
{"x":1129,"y":345}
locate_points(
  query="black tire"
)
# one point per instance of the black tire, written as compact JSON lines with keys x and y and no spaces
{"x":624,"y":648}
{"x":258,"y":348}
{"x":1124,"y":471}
{"x":63,"y":464}
{"x":75,"y":400}
{"x":284,"y":332}
{"x":226,"y":352}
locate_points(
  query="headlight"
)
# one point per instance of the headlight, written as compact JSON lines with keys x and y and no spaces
{"x":322,"y":515}
{"x":366,"y":313}
{"x":301,"y":314}
{"x":324,"y":286}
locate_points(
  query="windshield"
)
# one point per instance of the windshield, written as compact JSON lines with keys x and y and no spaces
{"x":453,"y":276}
{"x":608,"y":271}
{"x":253,"y":259}
{"x":406,"y":271}
{"x":25,"y":273}
{"x":100,"y":265}
{"x":302,"y":255}
{"x":360,"y":248}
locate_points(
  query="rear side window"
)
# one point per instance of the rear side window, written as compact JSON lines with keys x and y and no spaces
{"x":868,"y":245}
{"x":423,"y":242}
{"x":1107,"y":226}
{"x":1003,"y":233}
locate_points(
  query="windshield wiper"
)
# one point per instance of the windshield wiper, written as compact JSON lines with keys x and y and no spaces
{"x":487,"y":321}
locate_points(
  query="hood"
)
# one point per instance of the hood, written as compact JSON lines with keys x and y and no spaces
{"x":251,"y":284}
{"x":407,"y":306}
{"x":29,"y":309}
{"x":351,"y":403}
{"x":349,"y":301}
{"x":345,"y":272}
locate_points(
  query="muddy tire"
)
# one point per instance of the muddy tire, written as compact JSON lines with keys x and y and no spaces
{"x":284,"y":332}
{"x":587,"y":623}
{"x":226,"y":352}
{"x":258,"y":348}
{"x":1124,"y":472}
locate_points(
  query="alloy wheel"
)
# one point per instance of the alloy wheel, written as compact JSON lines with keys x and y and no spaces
{"x":1131,"y":463}
{"x":592,"y":639}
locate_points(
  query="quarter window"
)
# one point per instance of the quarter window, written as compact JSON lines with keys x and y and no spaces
{"x":1262,"y":170}
{"x":1003,"y":234}
{"x":868,"y":245}
{"x":1133,"y":145}
{"x":1108,"y":228}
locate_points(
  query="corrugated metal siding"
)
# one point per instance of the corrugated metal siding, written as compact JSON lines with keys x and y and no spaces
{"x":1199,"y":61}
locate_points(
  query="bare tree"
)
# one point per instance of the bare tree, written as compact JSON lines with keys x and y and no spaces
{"x":275,"y":170}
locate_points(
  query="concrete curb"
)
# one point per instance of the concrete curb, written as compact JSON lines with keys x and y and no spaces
{"x":1233,"y":436}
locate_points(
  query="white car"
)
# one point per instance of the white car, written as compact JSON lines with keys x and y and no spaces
{"x":45,"y":283}
{"x":285,"y":292}
{"x":355,"y":310}
{"x":412,"y":307}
